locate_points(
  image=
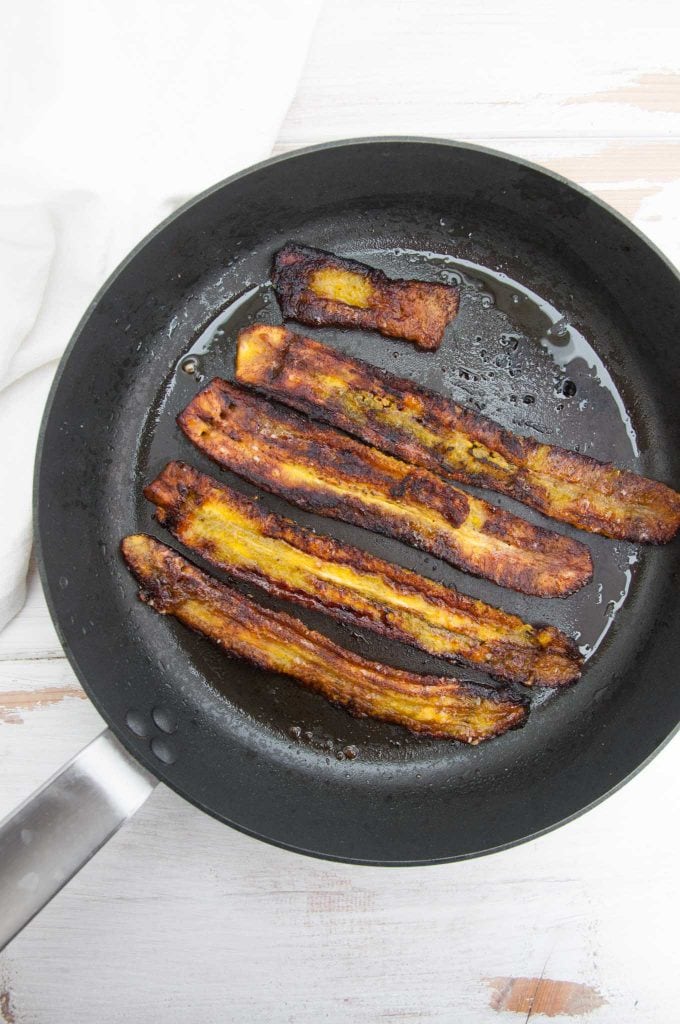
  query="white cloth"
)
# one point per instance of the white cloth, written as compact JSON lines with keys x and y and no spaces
{"x":113,"y":113}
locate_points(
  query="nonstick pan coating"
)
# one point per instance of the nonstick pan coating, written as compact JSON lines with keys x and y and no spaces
{"x":568,"y":330}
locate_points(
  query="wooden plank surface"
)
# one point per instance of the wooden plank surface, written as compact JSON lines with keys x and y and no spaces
{"x":179,"y":918}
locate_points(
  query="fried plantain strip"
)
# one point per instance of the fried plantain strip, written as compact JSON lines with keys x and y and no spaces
{"x":235,"y":534}
{"x":428,"y":430}
{"x":318,"y":288}
{"x":276,"y":642}
{"x":324,"y":471}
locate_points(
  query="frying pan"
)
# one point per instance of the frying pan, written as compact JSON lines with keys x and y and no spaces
{"x":567,"y":331}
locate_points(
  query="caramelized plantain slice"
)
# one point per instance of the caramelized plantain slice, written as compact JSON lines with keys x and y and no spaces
{"x":318,"y":288}
{"x":433,"y":432}
{"x":324,"y":471}
{"x":436,"y":706}
{"x":234,"y":533}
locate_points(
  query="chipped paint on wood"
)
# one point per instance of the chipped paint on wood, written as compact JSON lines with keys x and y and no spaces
{"x":658,"y":91}
{"x":7,"y":1013}
{"x":15,"y":703}
{"x":627,"y":201}
{"x":620,"y":163}
{"x":543,"y":995}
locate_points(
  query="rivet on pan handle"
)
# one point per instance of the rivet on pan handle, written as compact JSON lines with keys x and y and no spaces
{"x":56,"y":831}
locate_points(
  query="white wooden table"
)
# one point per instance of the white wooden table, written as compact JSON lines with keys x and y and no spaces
{"x":179,"y":918}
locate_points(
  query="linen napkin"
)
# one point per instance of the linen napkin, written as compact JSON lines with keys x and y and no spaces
{"x":113,"y":114}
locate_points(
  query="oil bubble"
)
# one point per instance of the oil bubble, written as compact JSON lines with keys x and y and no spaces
{"x":190,"y":365}
{"x":559,"y":329}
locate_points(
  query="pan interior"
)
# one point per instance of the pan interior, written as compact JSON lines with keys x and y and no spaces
{"x":543,"y":344}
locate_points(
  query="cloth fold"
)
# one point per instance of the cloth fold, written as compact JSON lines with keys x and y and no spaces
{"x":115,"y":114}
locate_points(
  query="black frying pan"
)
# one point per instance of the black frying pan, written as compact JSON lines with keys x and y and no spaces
{"x":258,"y":751}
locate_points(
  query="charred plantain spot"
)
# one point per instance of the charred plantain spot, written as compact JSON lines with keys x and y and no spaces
{"x":501,"y":524}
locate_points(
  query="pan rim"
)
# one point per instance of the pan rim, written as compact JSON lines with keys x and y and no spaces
{"x":153,"y":766}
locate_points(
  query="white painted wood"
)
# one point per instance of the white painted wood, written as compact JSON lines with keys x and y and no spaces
{"x":30,"y":635}
{"x":180,"y":918}
{"x":478,"y":70}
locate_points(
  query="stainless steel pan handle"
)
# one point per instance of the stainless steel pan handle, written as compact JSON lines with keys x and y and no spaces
{"x":56,"y":831}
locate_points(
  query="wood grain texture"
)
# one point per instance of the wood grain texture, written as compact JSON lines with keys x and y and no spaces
{"x":179,"y":915}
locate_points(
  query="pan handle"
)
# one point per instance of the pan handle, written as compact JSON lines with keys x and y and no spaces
{"x":56,"y":831}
